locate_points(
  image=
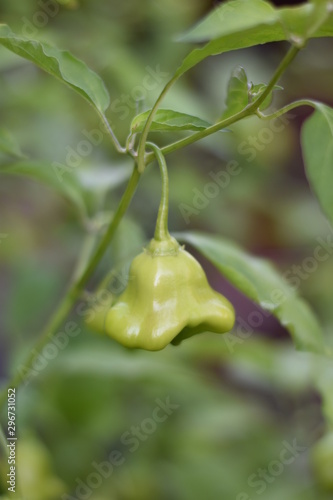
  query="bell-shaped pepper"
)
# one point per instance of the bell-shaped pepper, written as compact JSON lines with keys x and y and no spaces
{"x":168,"y":297}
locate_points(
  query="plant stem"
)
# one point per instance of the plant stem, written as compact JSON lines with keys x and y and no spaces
{"x":145,"y":132}
{"x":161,"y":230}
{"x":202,"y":134}
{"x":74,"y":291}
{"x":289,"y":57}
{"x":87,"y":248}
{"x":226,"y":123}
{"x":249,"y":110}
{"x":113,"y":136}
{"x":120,"y":212}
{"x":285,"y":109}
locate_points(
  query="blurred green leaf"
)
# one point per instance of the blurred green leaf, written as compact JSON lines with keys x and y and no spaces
{"x":278,"y":367}
{"x":258,"y":279}
{"x":232,"y":17}
{"x":103,"y":178}
{"x":68,"y":187}
{"x":237,"y":97}
{"x":8,"y":144}
{"x":244,"y":23}
{"x":317,"y":147}
{"x":166,"y":119}
{"x":257,"y":20}
{"x":312,"y":19}
{"x":100,"y":361}
{"x":61,"y":64}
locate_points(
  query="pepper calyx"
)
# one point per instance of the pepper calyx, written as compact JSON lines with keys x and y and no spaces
{"x":166,"y":246}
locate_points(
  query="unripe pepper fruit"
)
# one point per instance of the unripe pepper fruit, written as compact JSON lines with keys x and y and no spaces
{"x":168,"y":297}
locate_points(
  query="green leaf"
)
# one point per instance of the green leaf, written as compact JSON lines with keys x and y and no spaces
{"x":226,"y":44}
{"x":238,"y":96}
{"x":259,"y":281}
{"x":68,"y":187}
{"x":310,"y":20}
{"x":317,"y":147}
{"x":244,"y":23}
{"x":8,"y":145}
{"x":242,"y":16}
{"x":232,"y":17}
{"x":241,"y":93}
{"x":166,"y":119}
{"x":61,"y":64}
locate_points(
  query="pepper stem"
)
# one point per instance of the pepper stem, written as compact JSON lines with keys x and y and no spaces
{"x":161,"y":229}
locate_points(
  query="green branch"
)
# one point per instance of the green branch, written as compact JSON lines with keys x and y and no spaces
{"x":161,"y":230}
{"x":248,"y":111}
{"x":289,"y":57}
{"x":112,"y":135}
{"x":145,"y":132}
{"x":120,"y":212}
{"x":202,"y":134}
{"x":285,"y":109}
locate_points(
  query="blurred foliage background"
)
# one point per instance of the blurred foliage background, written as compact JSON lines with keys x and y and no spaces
{"x":236,"y":406}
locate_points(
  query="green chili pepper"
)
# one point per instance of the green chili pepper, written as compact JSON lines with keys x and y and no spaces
{"x":168,"y":297}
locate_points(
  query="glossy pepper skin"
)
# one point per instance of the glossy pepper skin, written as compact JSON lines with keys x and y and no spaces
{"x":167,"y":299}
